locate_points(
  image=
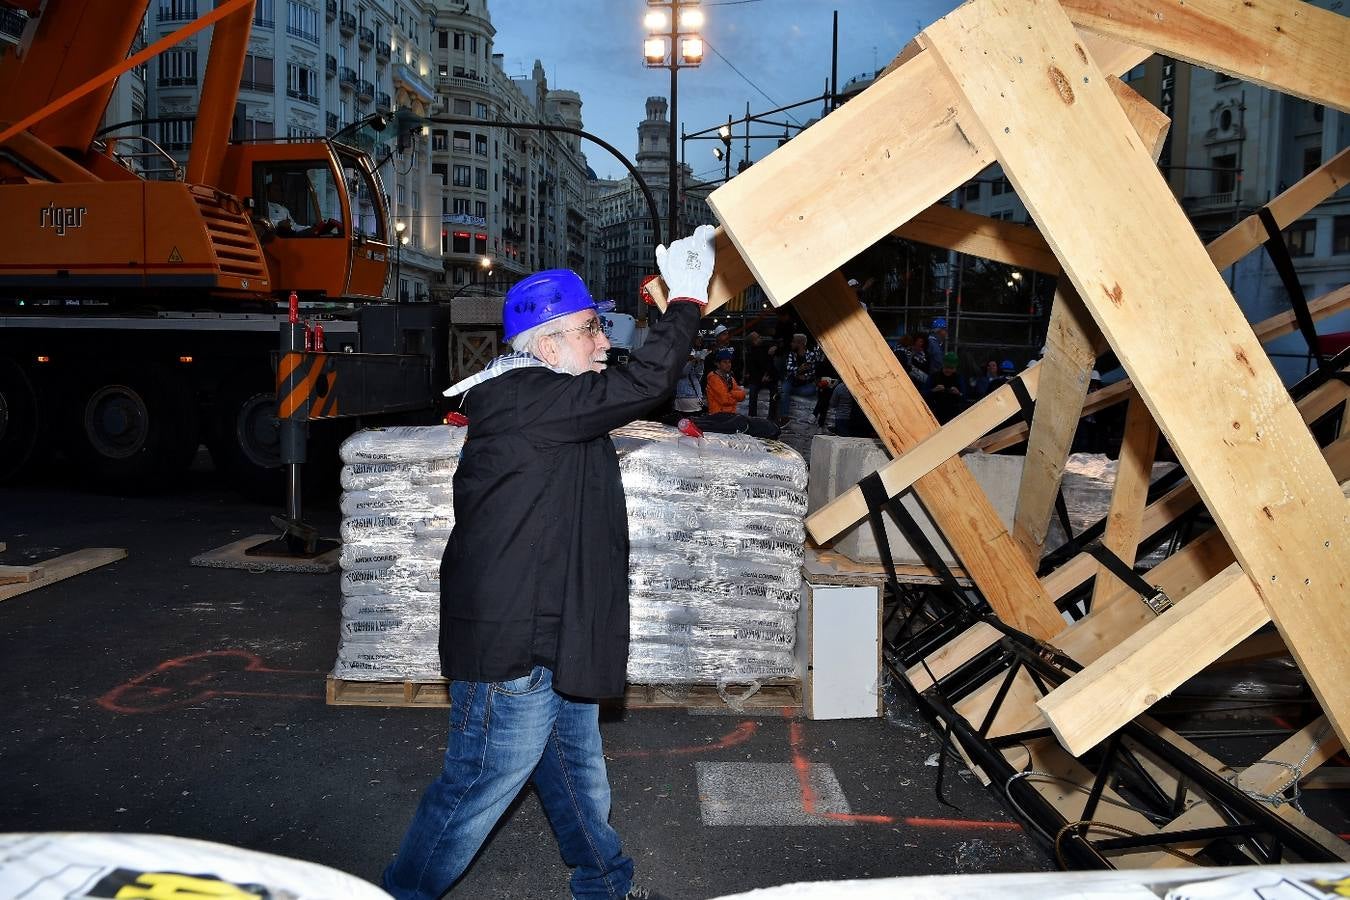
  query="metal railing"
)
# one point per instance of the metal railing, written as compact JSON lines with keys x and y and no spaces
{"x":347,"y":22}
{"x":365,"y":37}
{"x":296,"y":31}
{"x":365,"y":89}
{"x":330,"y":65}
{"x":330,"y":10}
{"x":302,"y":96}
{"x":347,"y":77}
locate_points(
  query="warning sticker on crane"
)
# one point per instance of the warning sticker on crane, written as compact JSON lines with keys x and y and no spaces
{"x":174,"y":255}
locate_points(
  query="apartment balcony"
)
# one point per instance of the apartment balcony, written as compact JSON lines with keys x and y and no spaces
{"x":302,"y":96}
{"x":382,"y":51}
{"x":384,"y":103}
{"x":330,"y":65}
{"x":12,"y":24}
{"x":330,"y":10}
{"x":347,"y":23}
{"x":262,"y":87}
{"x":365,"y":37}
{"x":183,"y":81}
{"x":170,"y":14}
{"x":347,"y":78}
{"x":330,"y":121}
{"x":365,"y":90}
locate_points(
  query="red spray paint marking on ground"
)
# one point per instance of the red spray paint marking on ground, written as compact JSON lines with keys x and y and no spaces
{"x":803,"y":769}
{"x":191,"y":679}
{"x":739,"y":735}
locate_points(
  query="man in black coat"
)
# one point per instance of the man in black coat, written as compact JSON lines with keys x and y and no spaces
{"x":534,"y":582}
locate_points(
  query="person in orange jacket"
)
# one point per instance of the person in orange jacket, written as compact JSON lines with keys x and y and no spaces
{"x":724,"y":392}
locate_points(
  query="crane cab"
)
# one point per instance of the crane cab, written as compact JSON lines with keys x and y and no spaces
{"x":318,"y":210}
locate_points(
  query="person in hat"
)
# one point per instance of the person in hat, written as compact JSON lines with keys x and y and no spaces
{"x":937,"y":344}
{"x":946,"y":396}
{"x":534,"y":580}
{"x":724,"y":391}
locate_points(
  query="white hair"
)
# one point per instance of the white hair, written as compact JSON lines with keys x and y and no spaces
{"x":525,"y":341}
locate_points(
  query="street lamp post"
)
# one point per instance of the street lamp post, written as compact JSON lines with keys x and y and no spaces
{"x":682,"y":18}
{"x":399,"y":240}
{"x":486,"y":264}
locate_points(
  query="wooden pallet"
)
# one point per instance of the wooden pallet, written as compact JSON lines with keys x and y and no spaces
{"x":433,"y":692}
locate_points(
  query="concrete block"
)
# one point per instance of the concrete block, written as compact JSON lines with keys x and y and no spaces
{"x":838,"y":463}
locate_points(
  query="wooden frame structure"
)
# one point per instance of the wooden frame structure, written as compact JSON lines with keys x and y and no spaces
{"x":1029,"y":84}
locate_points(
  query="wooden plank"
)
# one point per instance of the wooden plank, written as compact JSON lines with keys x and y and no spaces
{"x":1288,"y":207}
{"x":949,"y":492}
{"x":21,"y":574}
{"x":1129,"y":495}
{"x":66,"y":566}
{"x":828,"y":567}
{"x":1071,"y":346}
{"x":1149,"y":664}
{"x":971,"y":233}
{"x":898,"y":475}
{"x":901,"y":140}
{"x":952,"y":655}
{"x":1209,"y":386}
{"x":1293,"y":760}
{"x":1267,"y":330}
{"x":1291,"y":47}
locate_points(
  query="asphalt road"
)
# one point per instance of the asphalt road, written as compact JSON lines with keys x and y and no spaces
{"x":152,"y":696}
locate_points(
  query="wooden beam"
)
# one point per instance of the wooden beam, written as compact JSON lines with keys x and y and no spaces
{"x":1210,"y":387}
{"x":1149,"y":664}
{"x":971,"y":233}
{"x":901,"y":140}
{"x":1071,"y":348}
{"x":21,"y":574}
{"x":66,"y":566}
{"x":899,"y":475}
{"x":949,"y":492}
{"x":1288,"y":207}
{"x":1129,"y":495}
{"x":1290,"y":47}
{"x":1267,"y":330}
{"x":1072,"y":343}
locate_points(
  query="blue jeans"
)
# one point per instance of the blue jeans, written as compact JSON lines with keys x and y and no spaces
{"x":790,"y":387}
{"x":503,"y":734}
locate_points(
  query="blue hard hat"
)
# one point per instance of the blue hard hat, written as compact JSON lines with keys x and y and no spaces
{"x":1006,"y":366}
{"x":543,"y":297}
{"x":724,"y":354}
{"x":939,"y":322}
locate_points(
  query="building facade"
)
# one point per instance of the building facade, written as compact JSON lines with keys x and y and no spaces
{"x":472,"y":203}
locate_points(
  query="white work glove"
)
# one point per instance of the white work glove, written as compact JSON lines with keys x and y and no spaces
{"x":687,"y":267}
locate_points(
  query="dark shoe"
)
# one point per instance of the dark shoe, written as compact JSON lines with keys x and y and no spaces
{"x":644,"y":893}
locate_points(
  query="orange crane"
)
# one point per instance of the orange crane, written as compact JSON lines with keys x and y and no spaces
{"x":139,"y":298}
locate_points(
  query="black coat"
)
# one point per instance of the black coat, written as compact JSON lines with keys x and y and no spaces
{"x":536,"y":569}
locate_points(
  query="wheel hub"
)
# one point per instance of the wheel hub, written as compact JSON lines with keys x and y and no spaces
{"x":116,"y":421}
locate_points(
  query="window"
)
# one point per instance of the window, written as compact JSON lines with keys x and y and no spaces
{"x":972,"y":191}
{"x":1001,"y":186}
{"x":257,"y":73}
{"x":262,"y":13}
{"x":461,"y":206}
{"x":1134,"y":74}
{"x":302,"y":21}
{"x":1340,"y":235}
{"x":481,"y":179}
{"x":473,"y":43}
{"x":301,"y":83}
{"x":417,"y":201}
{"x":482,"y":110}
{"x":443,"y":39}
{"x":177,"y":10}
{"x":480,"y":243}
{"x":442,"y":70}
{"x":1224,"y":176}
{"x":480,"y":210}
{"x":176,"y":135}
{"x":459,"y":40}
{"x":440,"y":139}
{"x":1300,"y":237}
{"x":442,"y":170}
{"x":462,"y":176}
{"x":177,"y":67}
{"x":480,"y":144}
{"x":461,"y":107}
{"x":460,"y":242}
{"x":462,"y":142}
{"x":1312,"y":158}
{"x":402,"y":195}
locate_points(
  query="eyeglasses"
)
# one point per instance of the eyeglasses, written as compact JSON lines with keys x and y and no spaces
{"x":593,"y":328}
